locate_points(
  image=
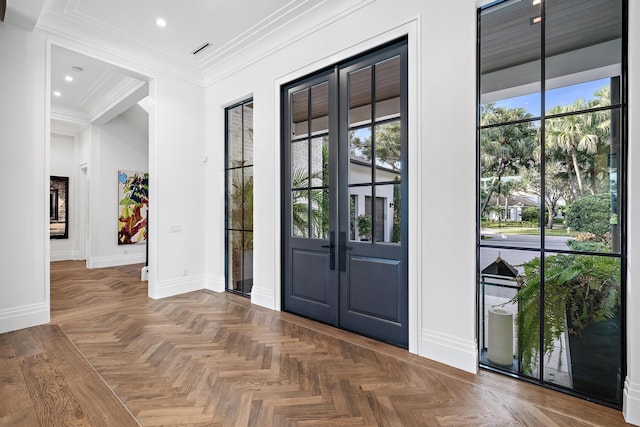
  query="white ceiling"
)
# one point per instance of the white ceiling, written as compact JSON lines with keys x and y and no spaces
{"x":96,"y":90}
{"x":237,"y":31}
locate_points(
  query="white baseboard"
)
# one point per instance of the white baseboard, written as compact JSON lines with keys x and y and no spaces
{"x":450,"y":350}
{"x":115,"y":260}
{"x":63,"y":255}
{"x":214,"y":283}
{"x":263,"y":297}
{"x":182,"y":285}
{"x":12,"y":319}
{"x":631,"y":402}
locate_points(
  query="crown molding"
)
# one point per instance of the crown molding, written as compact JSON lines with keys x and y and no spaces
{"x":276,"y":40}
{"x":70,"y":116}
{"x":120,"y":100}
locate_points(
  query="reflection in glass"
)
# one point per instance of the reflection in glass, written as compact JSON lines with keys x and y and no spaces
{"x":360,"y":156}
{"x":300,"y":213}
{"x":234,"y":137}
{"x":360,"y":96}
{"x":320,"y":162}
{"x":320,"y":109}
{"x":388,"y":150}
{"x":501,"y":277}
{"x":388,"y":88}
{"x":248,"y":134}
{"x":300,"y":164}
{"x":362,"y":224}
{"x":300,"y":114}
{"x":510,"y":185}
{"x":581,"y":173}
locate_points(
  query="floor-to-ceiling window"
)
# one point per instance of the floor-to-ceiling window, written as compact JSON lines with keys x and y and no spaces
{"x":551,"y":193}
{"x":239,"y":197}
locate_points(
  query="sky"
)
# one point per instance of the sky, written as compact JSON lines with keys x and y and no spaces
{"x":560,"y":96}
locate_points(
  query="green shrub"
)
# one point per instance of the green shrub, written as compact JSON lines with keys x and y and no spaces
{"x":591,"y":214}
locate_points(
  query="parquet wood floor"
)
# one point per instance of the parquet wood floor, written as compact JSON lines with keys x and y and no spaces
{"x":208,"y":359}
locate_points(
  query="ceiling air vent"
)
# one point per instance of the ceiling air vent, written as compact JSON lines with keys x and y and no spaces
{"x":201,"y":48}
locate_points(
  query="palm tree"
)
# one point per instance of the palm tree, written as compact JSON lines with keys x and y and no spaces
{"x":572,"y":134}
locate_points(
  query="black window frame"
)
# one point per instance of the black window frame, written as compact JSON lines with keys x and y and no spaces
{"x":622,"y":173}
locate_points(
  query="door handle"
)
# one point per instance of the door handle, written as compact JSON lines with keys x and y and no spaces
{"x":331,"y":246}
{"x":343,"y":250}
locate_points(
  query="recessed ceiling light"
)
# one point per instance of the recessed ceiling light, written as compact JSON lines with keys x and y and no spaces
{"x":56,"y":93}
{"x":160,"y":22}
{"x":68,"y":78}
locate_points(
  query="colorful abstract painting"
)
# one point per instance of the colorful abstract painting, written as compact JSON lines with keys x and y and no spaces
{"x":133,"y":196}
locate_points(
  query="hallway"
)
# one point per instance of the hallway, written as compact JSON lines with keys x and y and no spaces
{"x":214,"y":359}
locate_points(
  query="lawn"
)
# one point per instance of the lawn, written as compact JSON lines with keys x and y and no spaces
{"x":562,"y":232}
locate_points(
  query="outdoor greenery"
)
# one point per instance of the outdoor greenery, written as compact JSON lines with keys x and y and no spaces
{"x":578,"y":289}
{"x":365,"y":226}
{"x":577,"y":149}
{"x":591,"y":214}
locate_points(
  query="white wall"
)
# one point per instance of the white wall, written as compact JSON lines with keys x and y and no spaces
{"x":442,"y":38}
{"x":177,"y":192}
{"x":115,"y":146}
{"x":63,"y":163}
{"x":24,"y":171}
{"x":440,"y":330}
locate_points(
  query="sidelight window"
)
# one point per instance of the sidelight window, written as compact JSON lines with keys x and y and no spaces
{"x":239,"y":197}
{"x":551,"y":196}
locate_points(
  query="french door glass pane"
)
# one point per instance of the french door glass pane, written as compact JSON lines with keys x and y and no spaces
{"x":300,"y":114}
{"x":360,"y":97}
{"x":360,"y":166}
{"x":320,"y":162}
{"x":388,"y":88}
{"x":388,"y":215}
{"x":300,"y":213}
{"x":388,"y":151}
{"x":320,"y":109}
{"x":300,"y":164}
{"x":363,"y":226}
{"x":320,"y":214}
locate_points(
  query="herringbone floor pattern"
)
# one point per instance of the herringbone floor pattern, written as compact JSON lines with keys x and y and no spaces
{"x":208,"y":359}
